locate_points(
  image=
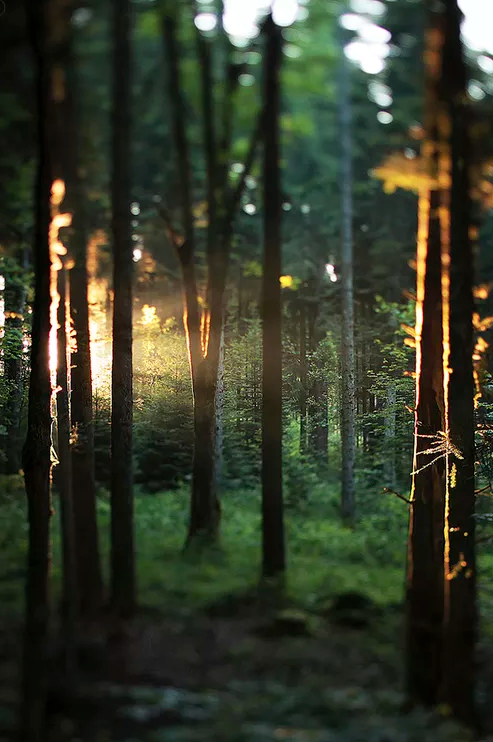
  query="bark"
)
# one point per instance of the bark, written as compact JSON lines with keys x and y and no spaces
{"x":303,"y":378}
{"x":15,"y":300}
{"x":273,"y":549}
{"x":219,"y":412}
{"x":425,"y":591}
{"x":36,"y":453}
{"x":347,"y":340}
{"x":89,"y":580}
{"x":122,"y":526}
{"x":460,"y":562}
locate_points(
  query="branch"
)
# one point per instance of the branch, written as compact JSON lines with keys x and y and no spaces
{"x":236,"y":193}
{"x":387,"y":490}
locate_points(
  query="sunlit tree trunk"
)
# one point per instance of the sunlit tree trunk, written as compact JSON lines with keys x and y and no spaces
{"x":36,"y":454}
{"x":273,"y":549}
{"x":442,"y":571}
{"x":425,"y":555}
{"x":122,"y":526}
{"x":348,"y":396}
{"x":89,"y":581}
{"x":460,"y":562}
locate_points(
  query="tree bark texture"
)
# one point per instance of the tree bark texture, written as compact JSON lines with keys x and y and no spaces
{"x":273,"y":549}
{"x":36,"y":453}
{"x":122,"y":526}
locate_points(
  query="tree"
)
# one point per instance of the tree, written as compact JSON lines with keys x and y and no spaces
{"x":122,"y":537}
{"x":441,"y":617}
{"x":36,"y":453}
{"x":89,"y":581}
{"x":273,"y":550}
{"x":204,"y":327}
{"x":348,"y":395}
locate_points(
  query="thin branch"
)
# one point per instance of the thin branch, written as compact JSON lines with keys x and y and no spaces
{"x":387,"y":490}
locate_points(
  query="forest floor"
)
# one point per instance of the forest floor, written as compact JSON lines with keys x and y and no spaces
{"x":211,"y":658}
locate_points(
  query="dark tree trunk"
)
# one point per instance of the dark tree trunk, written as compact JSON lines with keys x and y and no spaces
{"x":273,"y":549}
{"x":460,"y":561}
{"x":348,"y":399}
{"x":15,"y":300}
{"x":89,"y":581}
{"x":122,"y":527}
{"x":303,"y":377}
{"x":36,"y":453}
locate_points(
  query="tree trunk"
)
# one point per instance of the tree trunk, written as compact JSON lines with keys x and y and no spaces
{"x":122,"y":528}
{"x":425,"y":551}
{"x":273,"y":549}
{"x":36,"y":453}
{"x":460,"y":562}
{"x":219,"y":413}
{"x":303,"y":378}
{"x":347,"y":340}
{"x":89,"y":580}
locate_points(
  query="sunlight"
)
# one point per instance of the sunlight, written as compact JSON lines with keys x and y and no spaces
{"x":477,"y":24}
{"x":57,"y":248}
{"x":241,"y":19}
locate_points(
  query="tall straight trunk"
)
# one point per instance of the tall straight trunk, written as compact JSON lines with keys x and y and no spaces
{"x":460,"y":561}
{"x":89,"y":580}
{"x":122,"y":526}
{"x":64,"y":478}
{"x":425,"y":591}
{"x":36,"y":453}
{"x":347,"y":340}
{"x":303,"y":377}
{"x":273,"y":549}
{"x":15,"y":300}
{"x":219,"y":464}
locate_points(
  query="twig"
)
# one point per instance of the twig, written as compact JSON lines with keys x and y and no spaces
{"x":389,"y":491}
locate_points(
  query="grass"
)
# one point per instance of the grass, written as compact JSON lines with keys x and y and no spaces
{"x":332,"y":683}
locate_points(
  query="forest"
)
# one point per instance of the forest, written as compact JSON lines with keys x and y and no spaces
{"x":246,"y":391}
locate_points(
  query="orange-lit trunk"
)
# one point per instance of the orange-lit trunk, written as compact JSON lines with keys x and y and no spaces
{"x":426,"y":541}
{"x":460,"y":563}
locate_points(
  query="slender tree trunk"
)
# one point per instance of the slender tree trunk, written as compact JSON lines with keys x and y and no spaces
{"x":347,"y":341}
{"x":36,"y":454}
{"x":122,"y":527}
{"x":460,"y":562}
{"x":425,"y":590}
{"x":273,"y":549}
{"x":89,"y":580}
{"x":220,"y":418}
{"x":303,"y":378}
